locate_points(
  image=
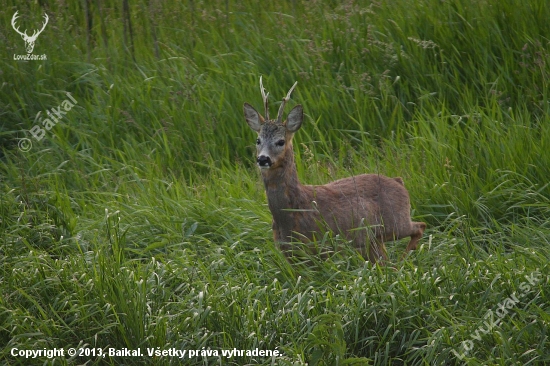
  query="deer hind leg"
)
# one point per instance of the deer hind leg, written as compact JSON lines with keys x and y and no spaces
{"x":417,"y":232}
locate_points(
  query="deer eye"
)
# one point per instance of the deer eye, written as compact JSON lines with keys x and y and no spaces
{"x":258,"y":141}
{"x":280,"y":143}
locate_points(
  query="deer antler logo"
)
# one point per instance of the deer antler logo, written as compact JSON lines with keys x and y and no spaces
{"x":29,"y":40}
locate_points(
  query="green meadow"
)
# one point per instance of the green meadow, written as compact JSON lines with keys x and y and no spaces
{"x":138,"y":221}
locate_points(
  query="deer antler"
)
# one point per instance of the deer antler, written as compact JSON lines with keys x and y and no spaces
{"x":282,"y":107}
{"x":264,"y":97}
{"x":13,"y":19}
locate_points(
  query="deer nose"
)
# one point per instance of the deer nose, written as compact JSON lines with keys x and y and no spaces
{"x":264,"y":161}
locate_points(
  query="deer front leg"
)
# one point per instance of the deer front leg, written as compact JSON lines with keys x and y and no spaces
{"x":281,"y":241}
{"x":377,"y":251}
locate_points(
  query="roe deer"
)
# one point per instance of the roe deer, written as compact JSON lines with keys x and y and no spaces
{"x":367,"y":206}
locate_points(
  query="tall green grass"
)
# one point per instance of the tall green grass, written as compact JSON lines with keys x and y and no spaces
{"x":139,"y":221}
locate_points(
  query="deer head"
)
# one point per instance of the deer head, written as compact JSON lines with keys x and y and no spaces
{"x":29,"y":40}
{"x":274,"y":136}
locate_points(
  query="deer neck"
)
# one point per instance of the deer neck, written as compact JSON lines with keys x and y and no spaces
{"x":282,"y":186}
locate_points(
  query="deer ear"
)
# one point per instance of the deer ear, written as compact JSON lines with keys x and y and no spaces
{"x":253,"y":118}
{"x":294,"y":119}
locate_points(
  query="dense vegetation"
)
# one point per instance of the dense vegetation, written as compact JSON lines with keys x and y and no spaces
{"x":139,"y":220}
